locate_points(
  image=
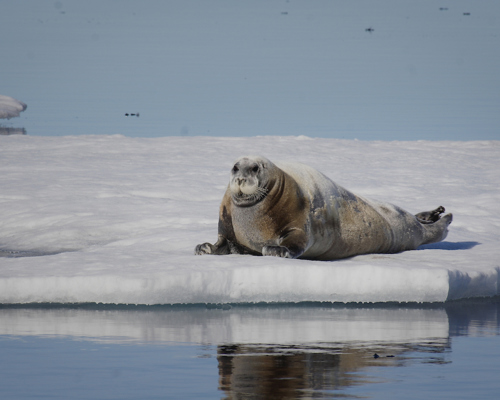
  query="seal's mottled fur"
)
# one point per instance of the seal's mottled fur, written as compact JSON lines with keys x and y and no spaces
{"x":294,"y":211}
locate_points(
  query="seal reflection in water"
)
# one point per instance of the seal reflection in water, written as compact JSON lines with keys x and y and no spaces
{"x":294,"y":211}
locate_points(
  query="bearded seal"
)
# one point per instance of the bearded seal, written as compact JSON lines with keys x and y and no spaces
{"x":294,"y":211}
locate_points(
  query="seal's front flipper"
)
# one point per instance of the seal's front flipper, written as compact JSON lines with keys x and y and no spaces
{"x":292,"y":244}
{"x":221,"y":247}
{"x":205,"y":248}
{"x":429,"y":217}
{"x":276,"y":251}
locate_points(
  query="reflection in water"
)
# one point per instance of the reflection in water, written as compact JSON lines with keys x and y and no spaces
{"x":276,"y":351}
{"x":276,"y":373}
{"x":285,"y":372}
{"x":12,"y":131}
{"x":467,"y":318}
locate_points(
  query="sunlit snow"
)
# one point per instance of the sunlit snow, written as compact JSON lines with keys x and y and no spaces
{"x":10,"y":107}
{"x":115,"y":220}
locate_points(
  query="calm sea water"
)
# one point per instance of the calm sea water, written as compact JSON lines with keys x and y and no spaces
{"x":374,"y":70}
{"x":301,"y":351}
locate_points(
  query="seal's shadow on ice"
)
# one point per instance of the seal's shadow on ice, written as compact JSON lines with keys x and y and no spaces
{"x":294,"y":211}
{"x":449,"y":246}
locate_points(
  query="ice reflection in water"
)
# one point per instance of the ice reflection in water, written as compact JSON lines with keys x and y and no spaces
{"x":281,"y":351}
{"x":4,"y":130}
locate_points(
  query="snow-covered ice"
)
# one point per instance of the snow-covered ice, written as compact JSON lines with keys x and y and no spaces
{"x":115,"y":220}
{"x":10,"y":107}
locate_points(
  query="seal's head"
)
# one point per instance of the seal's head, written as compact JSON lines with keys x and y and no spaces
{"x":249,"y":178}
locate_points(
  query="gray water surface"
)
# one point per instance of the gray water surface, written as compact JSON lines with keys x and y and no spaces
{"x":372,"y":70}
{"x":289,"y":351}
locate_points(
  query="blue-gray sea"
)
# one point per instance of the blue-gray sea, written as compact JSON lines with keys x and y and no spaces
{"x":364,"y":69}
{"x":252,"y":351}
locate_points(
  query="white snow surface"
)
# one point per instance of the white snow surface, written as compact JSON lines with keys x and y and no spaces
{"x":10,"y":107}
{"x":111,"y":219}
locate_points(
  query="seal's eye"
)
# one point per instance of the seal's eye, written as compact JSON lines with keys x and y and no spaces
{"x":255,"y":169}
{"x":235,"y":169}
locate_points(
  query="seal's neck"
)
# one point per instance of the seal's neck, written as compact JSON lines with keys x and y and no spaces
{"x":277,"y":189}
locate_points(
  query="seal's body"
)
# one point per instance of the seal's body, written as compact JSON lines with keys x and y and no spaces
{"x":294,"y":211}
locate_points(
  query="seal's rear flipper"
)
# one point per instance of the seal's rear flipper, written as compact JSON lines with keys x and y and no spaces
{"x":429,"y":217}
{"x":435,"y":232}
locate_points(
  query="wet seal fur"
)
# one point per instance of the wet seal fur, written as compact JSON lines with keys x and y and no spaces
{"x":294,"y":211}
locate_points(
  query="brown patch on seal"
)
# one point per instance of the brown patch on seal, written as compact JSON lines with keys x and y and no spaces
{"x":300,"y":213}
